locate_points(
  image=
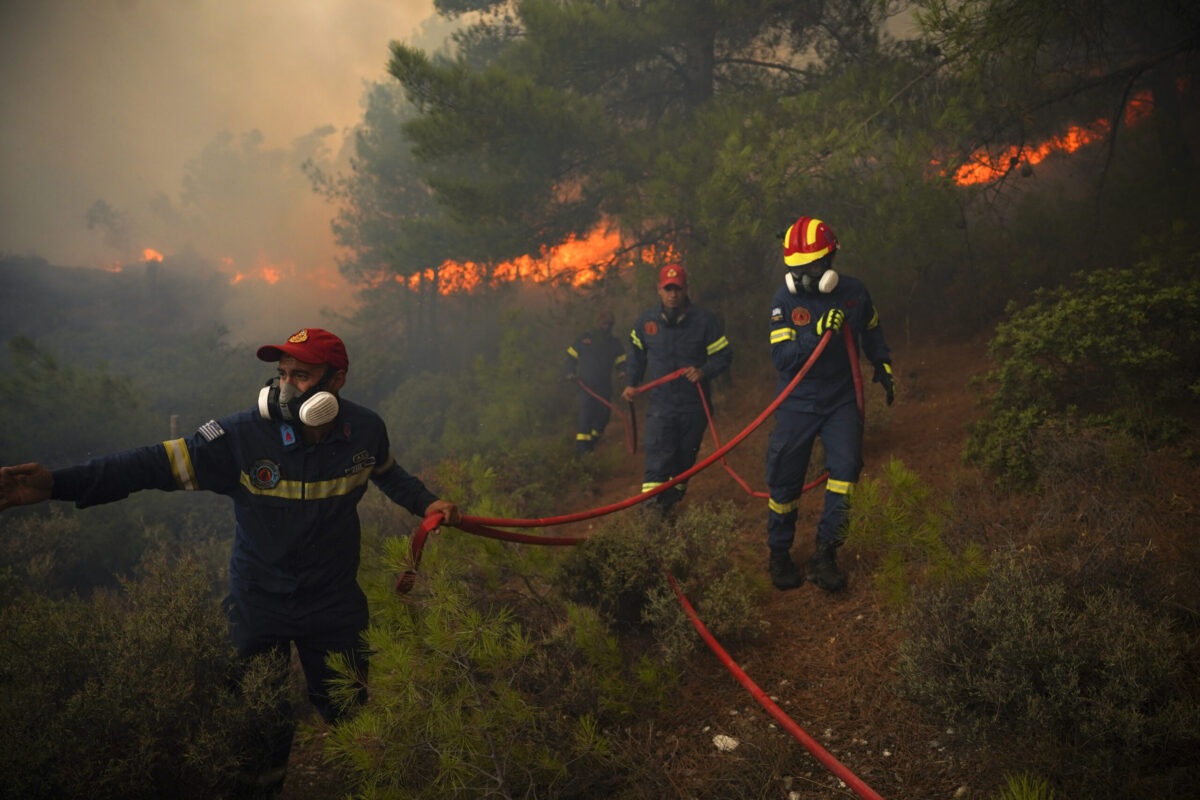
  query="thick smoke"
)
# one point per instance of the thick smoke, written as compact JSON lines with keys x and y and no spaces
{"x":180,"y":127}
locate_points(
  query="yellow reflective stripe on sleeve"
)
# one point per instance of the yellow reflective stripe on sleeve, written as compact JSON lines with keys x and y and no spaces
{"x":583,"y":437}
{"x":319,"y":490}
{"x":719,"y":344}
{"x":385,"y":466}
{"x":571,"y":352}
{"x":620,"y":360}
{"x":636,"y":341}
{"x":648,"y":486}
{"x":874,"y":323}
{"x":782,"y":335}
{"x":181,"y":464}
{"x":839,"y":487}
{"x":782,"y":508}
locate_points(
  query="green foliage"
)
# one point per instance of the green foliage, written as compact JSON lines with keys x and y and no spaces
{"x":620,"y":571}
{"x":59,"y":413}
{"x":900,"y":523}
{"x":465,"y":701}
{"x":1093,"y":682}
{"x":127,"y":696}
{"x":1024,"y":786}
{"x":1117,"y":350}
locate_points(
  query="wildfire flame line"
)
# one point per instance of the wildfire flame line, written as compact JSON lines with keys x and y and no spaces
{"x":576,"y":262}
{"x":984,"y":167}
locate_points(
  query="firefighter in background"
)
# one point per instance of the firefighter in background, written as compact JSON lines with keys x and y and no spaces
{"x":591,"y":360}
{"x":674,"y":335}
{"x":295,"y":467}
{"x":813,"y":300}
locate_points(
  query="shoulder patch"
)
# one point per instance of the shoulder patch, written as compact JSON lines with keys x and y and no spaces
{"x":651,"y":327}
{"x":211,"y":430}
{"x":776,"y":314}
{"x":800,"y":316}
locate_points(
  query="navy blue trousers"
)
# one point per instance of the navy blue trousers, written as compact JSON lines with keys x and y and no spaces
{"x":593,"y":419}
{"x":788,"y":453}
{"x":320,"y":624}
{"x":672,"y":440}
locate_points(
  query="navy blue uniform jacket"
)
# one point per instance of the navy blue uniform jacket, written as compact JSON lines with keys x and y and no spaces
{"x":658,"y":347}
{"x":295,"y":503}
{"x":829,"y":383}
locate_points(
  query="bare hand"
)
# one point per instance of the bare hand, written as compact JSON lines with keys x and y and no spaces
{"x":628,"y":394}
{"x":449,"y":511}
{"x":693,"y":374}
{"x":24,"y":484}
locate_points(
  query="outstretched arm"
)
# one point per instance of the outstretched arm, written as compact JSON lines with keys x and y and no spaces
{"x":24,"y":484}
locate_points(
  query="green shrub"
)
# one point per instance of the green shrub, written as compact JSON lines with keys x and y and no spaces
{"x":899,"y":523}
{"x":127,"y":695}
{"x":620,"y":571}
{"x":1116,"y":350}
{"x":1024,"y":786}
{"x":1094,"y":684}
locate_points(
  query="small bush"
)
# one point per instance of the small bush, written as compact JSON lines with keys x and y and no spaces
{"x":620,"y":571}
{"x":1095,"y":684}
{"x":898,"y":522}
{"x":129,"y":695}
{"x":1116,"y":350}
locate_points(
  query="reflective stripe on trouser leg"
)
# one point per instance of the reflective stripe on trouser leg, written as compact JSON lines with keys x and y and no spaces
{"x":788,"y":453}
{"x":672,"y":441}
{"x":841,"y":435}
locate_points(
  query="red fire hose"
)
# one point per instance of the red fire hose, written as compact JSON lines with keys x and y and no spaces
{"x":480,"y":526}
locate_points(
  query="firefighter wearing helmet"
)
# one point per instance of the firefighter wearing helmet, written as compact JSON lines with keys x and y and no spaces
{"x":814,"y":301}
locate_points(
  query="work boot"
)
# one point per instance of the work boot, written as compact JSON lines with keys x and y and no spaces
{"x":784,"y":574}
{"x":822,"y":568}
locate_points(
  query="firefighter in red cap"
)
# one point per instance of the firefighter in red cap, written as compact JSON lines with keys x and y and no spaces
{"x":295,"y":466}
{"x":674,"y":335}
{"x":591,"y":360}
{"x":813,"y":301}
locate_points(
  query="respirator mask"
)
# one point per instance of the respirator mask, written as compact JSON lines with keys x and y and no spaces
{"x":812,"y":278}
{"x":282,"y":401}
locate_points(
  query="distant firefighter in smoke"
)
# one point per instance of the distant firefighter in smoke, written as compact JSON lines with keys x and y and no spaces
{"x":591,"y":360}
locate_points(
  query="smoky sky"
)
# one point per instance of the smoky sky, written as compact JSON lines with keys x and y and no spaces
{"x":180,"y":125}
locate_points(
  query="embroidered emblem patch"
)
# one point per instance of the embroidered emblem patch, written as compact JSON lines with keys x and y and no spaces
{"x":800,"y":316}
{"x":362,"y":460}
{"x":211,"y":430}
{"x":651,"y":327}
{"x":776,"y":314}
{"x":299,"y":336}
{"x":265,"y":474}
{"x":288,"y":435}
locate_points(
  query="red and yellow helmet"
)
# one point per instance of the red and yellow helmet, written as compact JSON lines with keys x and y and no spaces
{"x":806,"y":241}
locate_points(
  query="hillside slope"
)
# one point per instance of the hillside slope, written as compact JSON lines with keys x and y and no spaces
{"x":827,"y":659}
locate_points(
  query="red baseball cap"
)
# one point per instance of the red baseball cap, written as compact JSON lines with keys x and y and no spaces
{"x":672,"y":274}
{"x":310,"y":345}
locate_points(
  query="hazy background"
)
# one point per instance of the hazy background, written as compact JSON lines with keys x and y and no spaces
{"x":179,"y":126}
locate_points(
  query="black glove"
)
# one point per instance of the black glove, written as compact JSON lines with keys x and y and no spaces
{"x":883,"y":375}
{"x":831,"y":320}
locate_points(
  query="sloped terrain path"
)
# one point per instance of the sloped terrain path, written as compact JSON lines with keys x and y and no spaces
{"x":827,"y":660}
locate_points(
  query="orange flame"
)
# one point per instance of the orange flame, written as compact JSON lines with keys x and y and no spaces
{"x":984,"y":167}
{"x":150,"y":254}
{"x":576,"y":262}
{"x":263,"y":270}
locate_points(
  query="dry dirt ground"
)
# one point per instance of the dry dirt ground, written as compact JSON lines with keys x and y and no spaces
{"x":828,"y":660}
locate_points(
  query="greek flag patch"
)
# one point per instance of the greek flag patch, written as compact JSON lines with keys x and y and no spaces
{"x":211,"y":430}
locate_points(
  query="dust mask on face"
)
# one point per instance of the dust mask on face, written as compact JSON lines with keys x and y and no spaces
{"x":798,"y":280}
{"x":282,"y":401}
